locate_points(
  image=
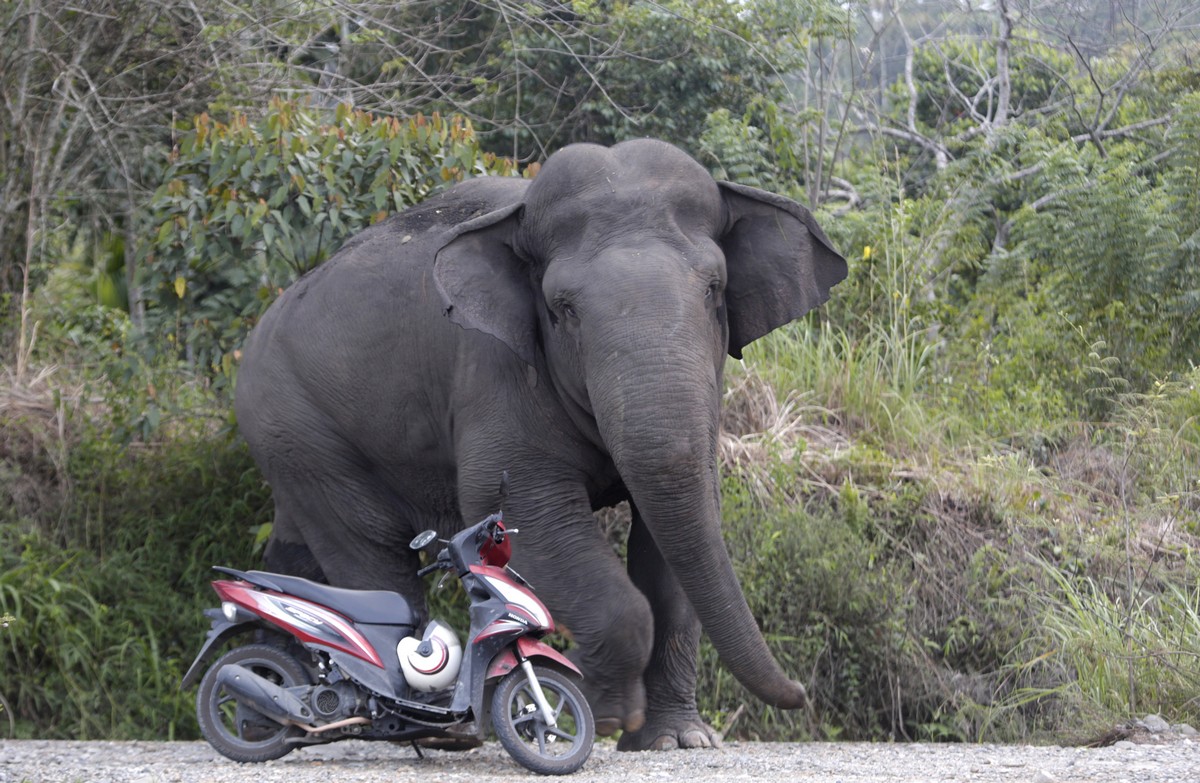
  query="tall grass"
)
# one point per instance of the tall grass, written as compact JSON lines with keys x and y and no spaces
{"x":871,"y":366}
{"x":869,"y":384}
{"x":105,"y":558}
{"x":1036,"y":585}
{"x":1127,"y":657}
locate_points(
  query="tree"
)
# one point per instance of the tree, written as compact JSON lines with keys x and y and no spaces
{"x":84,"y":88}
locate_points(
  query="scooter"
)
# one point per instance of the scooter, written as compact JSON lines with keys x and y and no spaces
{"x":326,"y":664}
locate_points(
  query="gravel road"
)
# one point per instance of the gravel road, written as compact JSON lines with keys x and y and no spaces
{"x":41,"y":761}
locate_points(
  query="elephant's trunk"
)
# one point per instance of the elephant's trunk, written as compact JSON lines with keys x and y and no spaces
{"x":662,"y":434}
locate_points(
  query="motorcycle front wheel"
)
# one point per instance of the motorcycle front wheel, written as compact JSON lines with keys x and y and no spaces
{"x":558,"y":749}
{"x":235,"y":730}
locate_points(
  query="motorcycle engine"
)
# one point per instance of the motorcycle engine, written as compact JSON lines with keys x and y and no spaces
{"x":336,"y":701}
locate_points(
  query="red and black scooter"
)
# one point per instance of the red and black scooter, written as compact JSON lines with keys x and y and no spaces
{"x":324,"y":664}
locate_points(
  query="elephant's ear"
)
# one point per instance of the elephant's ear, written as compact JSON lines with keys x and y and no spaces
{"x":779,"y":263}
{"x":484,"y":283}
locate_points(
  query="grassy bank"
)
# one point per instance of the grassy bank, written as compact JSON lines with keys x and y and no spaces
{"x":938,"y":578}
{"x":929,"y":578}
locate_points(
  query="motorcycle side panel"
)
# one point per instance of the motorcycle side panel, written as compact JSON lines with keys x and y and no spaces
{"x":307,"y":621}
{"x":387,"y":680}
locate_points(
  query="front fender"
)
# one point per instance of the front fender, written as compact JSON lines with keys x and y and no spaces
{"x":531,"y":649}
{"x":221,"y":631}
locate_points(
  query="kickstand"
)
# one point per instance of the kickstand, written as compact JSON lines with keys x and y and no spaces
{"x":417,"y":748}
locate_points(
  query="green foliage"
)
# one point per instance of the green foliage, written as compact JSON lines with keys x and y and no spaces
{"x":1131,"y":655}
{"x":735,"y":149}
{"x":246,"y":208}
{"x":105,"y":555}
{"x":603,"y":72}
{"x":938,"y":594}
{"x":1102,"y":257}
{"x":903,"y":609}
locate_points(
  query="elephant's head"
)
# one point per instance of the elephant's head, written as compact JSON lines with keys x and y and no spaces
{"x":634,"y":274}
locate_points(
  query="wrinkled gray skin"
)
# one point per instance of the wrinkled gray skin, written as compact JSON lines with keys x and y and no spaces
{"x":571,"y":330}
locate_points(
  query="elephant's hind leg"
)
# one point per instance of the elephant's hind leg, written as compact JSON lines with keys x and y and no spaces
{"x":286,"y":552}
{"x":337,"y":521}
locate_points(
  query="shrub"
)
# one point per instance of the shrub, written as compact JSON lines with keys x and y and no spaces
{"x":105,"y":553}
{"x":246,"y":207}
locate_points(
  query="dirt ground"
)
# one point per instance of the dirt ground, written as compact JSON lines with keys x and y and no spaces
{"x":37,"y":761}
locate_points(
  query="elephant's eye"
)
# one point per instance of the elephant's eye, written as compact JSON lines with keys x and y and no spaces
{"x":713,"y":290}
{"x":565,"y":308}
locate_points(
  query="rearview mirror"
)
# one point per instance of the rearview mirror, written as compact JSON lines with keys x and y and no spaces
{"x":423,"y":540}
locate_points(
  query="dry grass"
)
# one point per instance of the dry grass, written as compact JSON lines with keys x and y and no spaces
{"x":35,"y":440}
{"x":759,"y":431}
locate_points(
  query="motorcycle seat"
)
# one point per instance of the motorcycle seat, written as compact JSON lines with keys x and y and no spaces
{"x":375,"y":607}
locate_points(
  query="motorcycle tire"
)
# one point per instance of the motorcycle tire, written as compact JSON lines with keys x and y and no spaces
{"x":547,"y":750}
{"x":235,"y":730}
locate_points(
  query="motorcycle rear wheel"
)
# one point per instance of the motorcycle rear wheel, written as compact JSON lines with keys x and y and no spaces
{"x":237,"y":731}
{"x":547,"y":750}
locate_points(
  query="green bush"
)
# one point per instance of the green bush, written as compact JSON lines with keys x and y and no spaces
{"x":897,"y":606}
{"x":246,"y":207}
{"x":105,"y":624}
{"x":941,"y":586}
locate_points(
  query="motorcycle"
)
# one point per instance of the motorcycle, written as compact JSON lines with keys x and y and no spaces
{"x":327,"y":664}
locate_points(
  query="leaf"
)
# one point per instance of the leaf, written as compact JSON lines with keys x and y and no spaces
{"x":180,"y":286}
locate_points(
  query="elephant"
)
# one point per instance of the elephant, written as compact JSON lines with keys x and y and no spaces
{"x":570,"y":329}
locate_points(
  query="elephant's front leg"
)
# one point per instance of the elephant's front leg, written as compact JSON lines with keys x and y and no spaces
{"x":579,"y":577}
{"x":672,"y":720}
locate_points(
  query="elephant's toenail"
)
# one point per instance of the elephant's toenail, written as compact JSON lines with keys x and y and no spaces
{"x":665,"y":742}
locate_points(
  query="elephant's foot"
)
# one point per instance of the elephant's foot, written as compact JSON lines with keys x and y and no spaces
{"x":670,"y":732}
{"x":612,"y":717}
{"x":615,"y":710}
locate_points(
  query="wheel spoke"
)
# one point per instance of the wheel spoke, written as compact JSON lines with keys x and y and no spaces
{"x":564,"y":734}
{"x":523,"y":719}
{"x":550,"y":695}
{"x":539,"y":731}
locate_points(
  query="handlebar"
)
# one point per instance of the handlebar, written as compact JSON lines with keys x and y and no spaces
{"x":469,"y":546}
{"x":441,"y":565}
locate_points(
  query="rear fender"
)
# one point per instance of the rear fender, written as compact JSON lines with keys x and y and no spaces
{"x":221,"y":631}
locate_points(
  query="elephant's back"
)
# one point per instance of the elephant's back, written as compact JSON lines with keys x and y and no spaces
{"x":392,"y":255}
{"x":432,"y":218}
{"x":366,"y":322}
{"x":380,"y":270}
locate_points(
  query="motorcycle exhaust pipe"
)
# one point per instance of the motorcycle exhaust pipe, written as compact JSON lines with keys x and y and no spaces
{"x":263,"y":696}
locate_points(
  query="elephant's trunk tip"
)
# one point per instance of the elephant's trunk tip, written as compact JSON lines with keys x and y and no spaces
{"x":793,"y":697}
